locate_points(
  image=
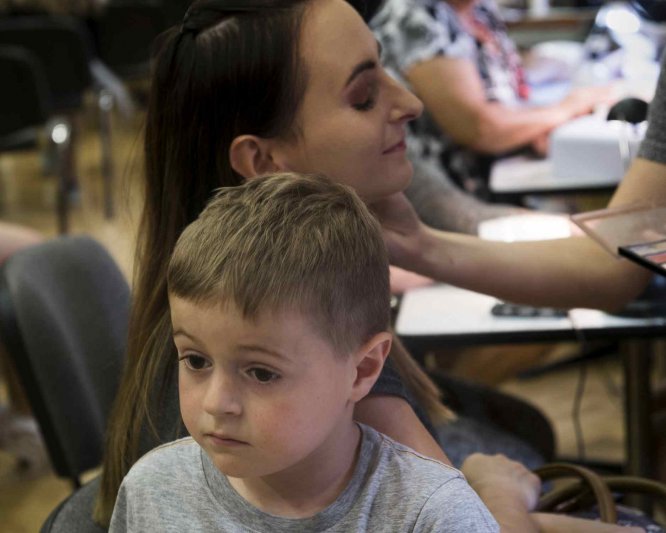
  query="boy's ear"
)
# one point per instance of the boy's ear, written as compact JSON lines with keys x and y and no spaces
{"x":370,"y":359}
{"x":251,"y":156}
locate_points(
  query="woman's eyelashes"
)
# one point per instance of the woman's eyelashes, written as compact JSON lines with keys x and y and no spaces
{"x":363,"y":97}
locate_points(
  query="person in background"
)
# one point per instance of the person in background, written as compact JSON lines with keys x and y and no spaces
{"x":565,"y":273}
{"x":457,"y":57}
{"x":19,"y":433}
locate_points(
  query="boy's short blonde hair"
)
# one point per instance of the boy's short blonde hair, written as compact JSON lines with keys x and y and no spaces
{"x":289,"y":242}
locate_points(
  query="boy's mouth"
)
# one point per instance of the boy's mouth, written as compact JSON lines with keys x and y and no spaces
{"x":219,"y":439}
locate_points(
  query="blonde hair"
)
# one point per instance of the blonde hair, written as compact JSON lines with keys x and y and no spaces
{"x":289,"y":242}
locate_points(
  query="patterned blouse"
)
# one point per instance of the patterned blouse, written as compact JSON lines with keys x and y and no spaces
{"x":412,"y":31}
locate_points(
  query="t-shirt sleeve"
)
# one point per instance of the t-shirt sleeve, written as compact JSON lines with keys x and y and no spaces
{"x":455,"y":508}
{"x":653,"y":146}
{"x":413,"y":31}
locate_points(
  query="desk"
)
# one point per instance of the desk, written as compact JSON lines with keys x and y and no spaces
{"x":525,"y":175}
{"x":442,"y":315}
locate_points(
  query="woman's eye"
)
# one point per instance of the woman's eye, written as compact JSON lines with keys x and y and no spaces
{"x":366,"y":105}
{"x":364,"y":97}
{"x":195,"y":362}
{"x":262,"y":375}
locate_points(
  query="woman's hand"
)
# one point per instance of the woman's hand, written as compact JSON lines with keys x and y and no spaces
{"x":402,"y":229}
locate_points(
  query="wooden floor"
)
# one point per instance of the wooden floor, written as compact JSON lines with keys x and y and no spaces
{"x":27,"y":197}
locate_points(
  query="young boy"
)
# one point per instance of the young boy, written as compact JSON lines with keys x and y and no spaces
{"x":279,"y":298}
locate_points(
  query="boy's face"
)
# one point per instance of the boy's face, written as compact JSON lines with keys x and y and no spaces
{"x":261,"y":397}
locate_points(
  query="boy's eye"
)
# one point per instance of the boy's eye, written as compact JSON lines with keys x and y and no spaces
{"x":262,"y":375}
{"x":195,"y":362}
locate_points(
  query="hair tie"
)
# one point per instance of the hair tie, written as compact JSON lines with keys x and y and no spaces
{"x":186,"y":25}
{"x":205,"y":13}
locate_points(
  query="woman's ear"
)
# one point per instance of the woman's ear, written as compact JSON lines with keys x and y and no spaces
{"x":251,"y":156}
{"x":369,"y":359}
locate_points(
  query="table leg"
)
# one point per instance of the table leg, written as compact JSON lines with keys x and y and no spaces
{"x":639,"y":446}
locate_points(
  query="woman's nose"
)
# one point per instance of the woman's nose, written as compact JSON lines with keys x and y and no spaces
{"x":406,"y":106}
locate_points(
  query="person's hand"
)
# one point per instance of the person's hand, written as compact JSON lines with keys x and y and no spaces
{"x":498,"y":477}
{"x":541,"y":144}
{"x":582,"y":100}
{"x":401,"y":227}
{"x":403,"y":280}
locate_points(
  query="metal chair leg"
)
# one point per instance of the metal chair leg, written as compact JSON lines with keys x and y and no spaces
{"x":60,"y":135}
{"x":105,"y":103}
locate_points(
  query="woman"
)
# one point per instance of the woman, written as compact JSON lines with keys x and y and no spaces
{"x":331,"y":108}
{"x":458,"y":59}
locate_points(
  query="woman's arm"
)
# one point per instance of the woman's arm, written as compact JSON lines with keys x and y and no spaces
{"x":509,"y":490}
{"x":573,"y":272}
{"x":453,"y":94}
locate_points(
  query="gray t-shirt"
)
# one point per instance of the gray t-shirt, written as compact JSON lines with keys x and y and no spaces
{"x":394,"y":489}
{"x":653,"y":146}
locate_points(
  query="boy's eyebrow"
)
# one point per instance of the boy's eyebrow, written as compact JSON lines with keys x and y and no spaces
{"x":365,"y":65}
{"x":183,"y":333}
{"x":263,"y":349}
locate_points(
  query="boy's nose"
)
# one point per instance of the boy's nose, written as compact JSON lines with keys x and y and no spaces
{"x":222,"y":397}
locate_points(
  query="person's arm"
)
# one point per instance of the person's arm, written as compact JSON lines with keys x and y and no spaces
{"x":572,"y":272}
{"x":452,"y":92}
{"x":557,"y":523}
{"x":509,"y":490}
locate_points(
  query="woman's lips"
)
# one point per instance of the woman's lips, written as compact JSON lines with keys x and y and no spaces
{"x":398,"y":147}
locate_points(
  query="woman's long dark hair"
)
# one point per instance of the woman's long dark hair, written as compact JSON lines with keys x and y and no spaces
{"x":231,"y":68}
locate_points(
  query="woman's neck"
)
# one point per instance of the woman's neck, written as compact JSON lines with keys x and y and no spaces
{"x":310,"y":486}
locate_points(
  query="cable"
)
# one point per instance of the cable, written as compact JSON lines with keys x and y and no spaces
{"x":575,"y":411}
{"x":580,"y":392}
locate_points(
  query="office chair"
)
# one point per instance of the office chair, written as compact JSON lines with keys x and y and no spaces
{"x":139,"y":23}
{"x":64,"y":47}
{"x":26,"y":115}
{"x":64,"y":309}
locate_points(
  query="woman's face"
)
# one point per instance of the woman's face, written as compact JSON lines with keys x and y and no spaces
{"x":351,"y":124}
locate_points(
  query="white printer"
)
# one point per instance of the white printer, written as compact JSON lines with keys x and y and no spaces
{"x":592,"y":147}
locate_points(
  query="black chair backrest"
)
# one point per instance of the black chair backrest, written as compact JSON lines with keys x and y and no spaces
{"x":139,"y":23}
{"x":64,"y":309}
{"x":62,"y":45}
{"x":174,"y":11}
{"x":24,"y":91}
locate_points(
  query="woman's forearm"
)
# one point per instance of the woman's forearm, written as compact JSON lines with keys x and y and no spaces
{"x":572,"y":272}
{"x":453,"y":94}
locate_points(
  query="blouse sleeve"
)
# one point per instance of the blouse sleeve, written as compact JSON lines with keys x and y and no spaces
{"x":413,"y":31}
